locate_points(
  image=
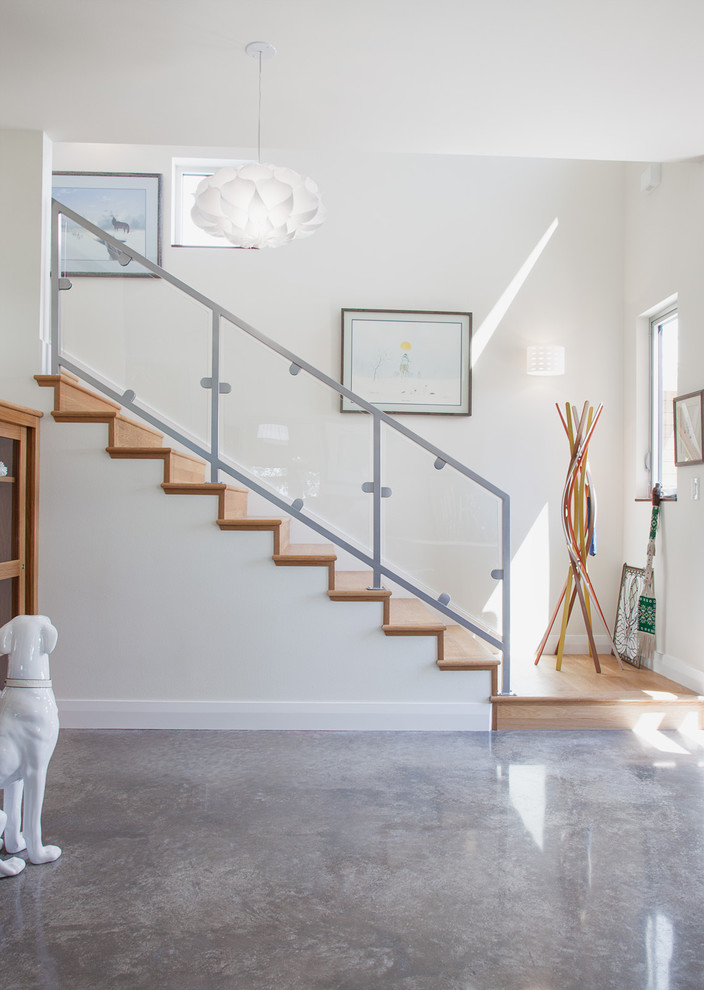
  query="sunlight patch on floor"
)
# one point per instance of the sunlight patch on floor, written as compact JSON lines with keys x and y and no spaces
{"x":647,"y":728}
{"x":690,"y":729}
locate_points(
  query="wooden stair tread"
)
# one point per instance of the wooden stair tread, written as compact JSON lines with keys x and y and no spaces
{"x":178,"y":466}
{"x":691,"y":700}
{"x":354,"y":586}
{"x":460,"y":643}
{"x":409,"y":617}
{"x":148,"y":452}
{"x":322,"y":552}
{"x":124,"y":432}
{"x":259,"y":524}
{"x":308,"y":555}
{"x":251,"y":522}
{"x":99,"y":416}
{"x":200,"y":488}
{"x":232,"y":501}
{"x":69,"y":395}
{"x":533,"y":713}
{"x":469,"y":663}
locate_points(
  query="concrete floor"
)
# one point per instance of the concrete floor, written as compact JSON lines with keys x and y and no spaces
{"x":352,"y":861}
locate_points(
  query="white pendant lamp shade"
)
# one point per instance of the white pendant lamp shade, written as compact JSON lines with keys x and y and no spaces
{"x":257,"y":205}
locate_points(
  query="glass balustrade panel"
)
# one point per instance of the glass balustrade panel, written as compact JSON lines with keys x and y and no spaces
{"x":287,"y":433}
{"x":135,"y":331}
{"x":441,"y":530}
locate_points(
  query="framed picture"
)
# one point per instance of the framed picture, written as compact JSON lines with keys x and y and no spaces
{"x":689,"y":410}
{"x":626,"y":625}
{"x":126,"y":205}
{"x":407,"y":362}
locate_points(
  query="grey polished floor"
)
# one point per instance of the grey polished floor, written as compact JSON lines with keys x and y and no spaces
{"x":352,"y":861}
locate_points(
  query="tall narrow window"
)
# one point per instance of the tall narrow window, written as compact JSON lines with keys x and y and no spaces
{"x":663,"y":365}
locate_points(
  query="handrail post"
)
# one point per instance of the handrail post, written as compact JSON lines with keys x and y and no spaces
{"x":376,"y":501}
{"x":506,"y":602}
{"x":55,"y":292}
{"x":215,"y":397}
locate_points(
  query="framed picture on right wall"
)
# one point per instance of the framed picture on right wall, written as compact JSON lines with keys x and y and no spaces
{"x":689,"y":413}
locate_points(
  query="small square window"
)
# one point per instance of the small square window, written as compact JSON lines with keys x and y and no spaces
{"x":186,"y":178}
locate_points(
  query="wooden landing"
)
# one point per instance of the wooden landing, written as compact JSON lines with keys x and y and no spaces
{"x":576,"y":697}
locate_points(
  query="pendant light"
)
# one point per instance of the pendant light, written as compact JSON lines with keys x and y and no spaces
{"x":257,"y":205}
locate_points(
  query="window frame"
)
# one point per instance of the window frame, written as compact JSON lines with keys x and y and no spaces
{"x":200,"y":168}
{"x":663,"y":318}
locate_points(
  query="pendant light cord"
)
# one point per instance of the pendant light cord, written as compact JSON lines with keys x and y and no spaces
{"x":259,"y":120}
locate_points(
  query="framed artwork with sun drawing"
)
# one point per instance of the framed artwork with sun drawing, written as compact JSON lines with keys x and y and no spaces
{"x":407,"y":362}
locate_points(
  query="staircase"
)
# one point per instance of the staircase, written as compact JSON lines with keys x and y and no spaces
{"x":185,"y":474}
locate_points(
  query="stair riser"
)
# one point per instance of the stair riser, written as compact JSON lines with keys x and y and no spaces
{"x":127,"y":434}
{"x":233,"y":505}
{"x":299,"y":562}
{"x":73,"y":398}
{"x":586,"y":715}
{"x":178,"y":468}
{"x":341,"y":596}
{"x":279,"y":528}
{"x":181,"y":469}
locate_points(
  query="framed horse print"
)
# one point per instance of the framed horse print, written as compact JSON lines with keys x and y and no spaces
{"x":126,"y":205}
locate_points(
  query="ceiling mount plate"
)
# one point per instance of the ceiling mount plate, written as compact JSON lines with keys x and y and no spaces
{"x":255,"y":49}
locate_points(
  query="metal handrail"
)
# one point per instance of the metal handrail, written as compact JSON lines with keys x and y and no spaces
{"x":296,"y":364}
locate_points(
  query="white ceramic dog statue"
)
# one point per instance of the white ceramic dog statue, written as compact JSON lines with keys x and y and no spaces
{"x":29,"y":728}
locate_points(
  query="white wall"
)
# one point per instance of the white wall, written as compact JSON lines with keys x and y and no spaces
{"x":25,"y":158}
{"x":124,"y":574}
{"x":665,"y":256}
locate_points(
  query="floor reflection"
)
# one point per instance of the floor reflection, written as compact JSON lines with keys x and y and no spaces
{"x":526,"y":787}
{"x":659,"y":940}
{"x":22,"y":917}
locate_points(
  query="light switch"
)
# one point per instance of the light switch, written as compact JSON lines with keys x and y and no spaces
{"x":695,"y":489}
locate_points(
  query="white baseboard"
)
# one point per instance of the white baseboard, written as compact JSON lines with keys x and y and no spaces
{"x":90,"y":714}
{"x":679,"y":671}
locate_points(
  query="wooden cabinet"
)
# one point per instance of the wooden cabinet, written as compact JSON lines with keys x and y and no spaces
{"x":19,"y":469}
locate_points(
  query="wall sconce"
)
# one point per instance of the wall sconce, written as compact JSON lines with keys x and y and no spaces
{"x":545,"y":359}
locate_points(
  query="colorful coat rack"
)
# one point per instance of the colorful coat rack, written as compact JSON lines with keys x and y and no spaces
{"x":579,"y":528}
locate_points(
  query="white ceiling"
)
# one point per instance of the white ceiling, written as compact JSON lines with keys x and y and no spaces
{"x":607,"y":79}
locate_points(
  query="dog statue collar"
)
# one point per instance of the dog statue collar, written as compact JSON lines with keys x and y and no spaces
{"x":26,"y":682}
